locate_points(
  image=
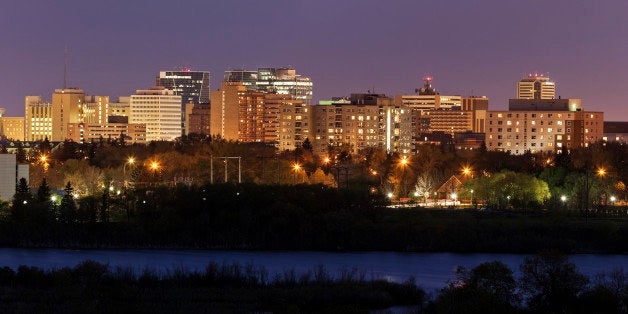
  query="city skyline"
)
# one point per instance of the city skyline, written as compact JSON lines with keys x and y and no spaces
{"x":470,"y":49}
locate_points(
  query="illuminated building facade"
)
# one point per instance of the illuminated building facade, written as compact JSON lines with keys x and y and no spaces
{"x":12,"y":128}
{"x":284,"y":81}
{"x":364,"y":120}
{"x":253,"y":116}
{"x":38,"y":119}
{"x":192,"y":86}
{"x":286,"y":121}
{"x":67,"y":107}
{"x":536,"y":86}
{"x":94,"y":132}
{"x":160,"y":110}
{"x":518,"y":131}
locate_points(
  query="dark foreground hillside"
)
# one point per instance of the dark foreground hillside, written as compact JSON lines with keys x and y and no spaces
{"x":308,"y":217}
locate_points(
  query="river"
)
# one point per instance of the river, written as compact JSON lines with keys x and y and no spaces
{"x":431,"y":270}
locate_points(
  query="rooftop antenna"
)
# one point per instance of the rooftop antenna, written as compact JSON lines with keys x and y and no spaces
{"x":65,"y":67}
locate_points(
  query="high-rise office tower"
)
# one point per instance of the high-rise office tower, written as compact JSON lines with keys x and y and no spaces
{"x":536,"y":86}
{"x":283,"y":81}
{"x":225,"y":109}
{"x":192,"y":86}
{"x":67,"y":107}
{"x":160,"y":110}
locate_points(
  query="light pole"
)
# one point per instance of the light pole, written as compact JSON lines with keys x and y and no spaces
{"x":296,"y":167}
{"x":130,"y":162}
{"x":403,"y":163}
{"x":154,"y":166}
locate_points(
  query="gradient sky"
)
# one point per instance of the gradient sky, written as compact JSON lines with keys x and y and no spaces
{"x":470,"y":47}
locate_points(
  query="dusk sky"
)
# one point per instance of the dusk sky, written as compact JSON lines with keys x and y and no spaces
{"x":469,"y":47}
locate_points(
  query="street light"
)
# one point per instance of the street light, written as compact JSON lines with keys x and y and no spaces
{"x":563,"y":198}
{"x":129,"y":161}
{"x":296,"y":167}
{"x":466,"y":170}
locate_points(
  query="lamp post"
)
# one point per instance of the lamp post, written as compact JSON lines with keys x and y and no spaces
{"x":296,"y":167}
{"x":154,"y":166}
{"x":130,"y":162}
{"x":403,"y":163}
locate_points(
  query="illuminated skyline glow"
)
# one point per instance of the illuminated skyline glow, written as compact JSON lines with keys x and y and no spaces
{"x":469,"y":48}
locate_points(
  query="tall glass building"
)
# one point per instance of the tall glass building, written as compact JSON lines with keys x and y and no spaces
{"x":280,"y":80}
{"x":192,"y":86}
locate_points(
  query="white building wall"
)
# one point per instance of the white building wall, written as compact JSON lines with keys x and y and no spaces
{"x":7,"y":176}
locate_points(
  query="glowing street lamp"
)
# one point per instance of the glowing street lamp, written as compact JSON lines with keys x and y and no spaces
{"x":403,"y":161}
{"x":466,"y":171}
{"x":129,"y":161}
{"x":563,"y":198}
{"x":601,"y":172}
{"x":296,"y":167}
{"x":390,"y":195}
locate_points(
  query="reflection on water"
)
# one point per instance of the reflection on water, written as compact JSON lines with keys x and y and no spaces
{"x":431,"y":270}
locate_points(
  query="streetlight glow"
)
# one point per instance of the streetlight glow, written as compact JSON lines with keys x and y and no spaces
{"x":563,"y":198}
{"x":601,"y":172}
{"x":404,"y":161}
{"x":613,"y":199}
{"x":296,"y":167}
{"x":43,"y":158}
{"x":390,"y":195}
{"x":154,"y":165}
{"x":131,"y":160}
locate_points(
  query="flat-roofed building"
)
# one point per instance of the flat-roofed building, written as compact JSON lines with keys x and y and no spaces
{"x":160,"y":110}
{"x":616,"y":131}
{"x":38,"y":119}
{"x":67,"y":107}
{"x":12,"y":128}
{"x":93,"y":132}
{"x":10,"y":173}
{"x":536,"y":86}
{"x":286,"y":121}
{"x":197,"y":119}
{"x":542,"y":130}
{"x":363,"y":120}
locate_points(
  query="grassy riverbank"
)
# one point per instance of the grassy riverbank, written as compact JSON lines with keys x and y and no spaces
{"x":370,"y":229}
{"x":91,"y":287}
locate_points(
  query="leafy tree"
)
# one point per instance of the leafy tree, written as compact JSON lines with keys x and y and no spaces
{"x":551,"y":282}
{"x":488,"y":288}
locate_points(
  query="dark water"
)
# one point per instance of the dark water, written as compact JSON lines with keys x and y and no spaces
{"x":431,"y":270}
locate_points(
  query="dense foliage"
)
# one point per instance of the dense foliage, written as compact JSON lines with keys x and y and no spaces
{"x":299,"y":217}
{"x":548,"y":283}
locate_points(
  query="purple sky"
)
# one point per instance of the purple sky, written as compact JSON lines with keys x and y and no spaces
{"x":345,"y":46}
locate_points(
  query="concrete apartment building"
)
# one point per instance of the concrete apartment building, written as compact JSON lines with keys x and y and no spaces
{"x":363,"y":120}
{"x":286,"y":121}
{"x":197,"y":118}
{"x":253,"y":116}
{"x":159,"y":109}
{"x":543,"y":125}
